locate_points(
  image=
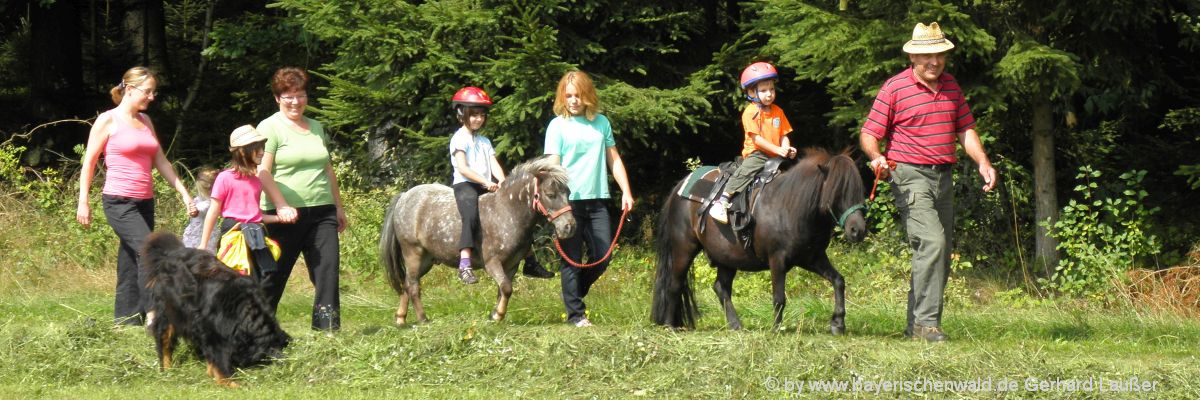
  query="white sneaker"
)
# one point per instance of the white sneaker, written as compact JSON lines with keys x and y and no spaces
{"x":583,"y":323}
{"x":718,"y":211}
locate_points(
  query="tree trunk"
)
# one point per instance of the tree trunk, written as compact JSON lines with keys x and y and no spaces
{"x":56,"y":66}
{"x":194,"y":88}
{"x":145,"y":25}
{"x":1045,"y":191}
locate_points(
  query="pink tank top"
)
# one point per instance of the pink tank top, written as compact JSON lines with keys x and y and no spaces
{"x":129,"y":155}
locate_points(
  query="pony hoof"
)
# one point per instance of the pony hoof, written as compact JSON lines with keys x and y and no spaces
{"x":837,"y":330}
{"x":399,"y":321}
{"x":496,"y":317}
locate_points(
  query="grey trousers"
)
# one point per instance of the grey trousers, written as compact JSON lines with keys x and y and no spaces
{"x":746,"y":171}
{"x":925,"y":198}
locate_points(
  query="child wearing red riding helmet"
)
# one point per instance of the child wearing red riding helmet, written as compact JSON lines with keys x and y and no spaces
{"x":475,"y":166}
{"x":765,"y":129}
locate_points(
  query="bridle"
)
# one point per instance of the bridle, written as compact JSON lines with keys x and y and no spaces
{"x":841,"y":221}
{"x":550,"y":216}
{"x":879,"y":173}
{"x":537,"y":205}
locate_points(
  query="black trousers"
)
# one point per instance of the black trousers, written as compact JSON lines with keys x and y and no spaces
{"x":594,"y":228}
{"x":132,"y":220}
{"x":466,"y":196}
{"x":315,"y":236}
{"x":261,"y":260}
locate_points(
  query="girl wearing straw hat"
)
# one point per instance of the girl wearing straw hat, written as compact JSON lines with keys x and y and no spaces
{"x":235,"y":197}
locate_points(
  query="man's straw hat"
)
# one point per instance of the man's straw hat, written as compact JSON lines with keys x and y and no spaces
{"x":927,"y":39}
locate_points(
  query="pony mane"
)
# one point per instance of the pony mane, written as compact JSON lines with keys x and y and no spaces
{"x":818,"y":172}
{"x":802,"y":180}
{"x":544,"y":166}
{"x":840,"y":177}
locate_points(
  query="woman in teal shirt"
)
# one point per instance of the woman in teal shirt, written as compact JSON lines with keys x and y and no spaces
{"x":581,"y":139}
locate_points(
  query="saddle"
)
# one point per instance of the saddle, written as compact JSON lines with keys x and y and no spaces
{"x":705,"y":184}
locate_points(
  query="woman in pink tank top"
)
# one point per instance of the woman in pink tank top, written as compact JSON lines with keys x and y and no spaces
{"x":126,"y":137}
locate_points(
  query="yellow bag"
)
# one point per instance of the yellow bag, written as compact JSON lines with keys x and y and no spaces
{"x":234,"y":252}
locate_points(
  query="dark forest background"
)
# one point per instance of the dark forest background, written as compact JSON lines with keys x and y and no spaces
{"x":1089,"y":109}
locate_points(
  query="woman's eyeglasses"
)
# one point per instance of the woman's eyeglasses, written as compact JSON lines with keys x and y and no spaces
{"x":151,"y":94}
{"x":296,"y":99}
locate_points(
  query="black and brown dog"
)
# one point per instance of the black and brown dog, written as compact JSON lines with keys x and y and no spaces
{"x":221,"y":313}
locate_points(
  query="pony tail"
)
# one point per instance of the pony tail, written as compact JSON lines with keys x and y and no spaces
{"x":673,"y":303}
{"x":117,"y":93}
{"x":389,"y":249}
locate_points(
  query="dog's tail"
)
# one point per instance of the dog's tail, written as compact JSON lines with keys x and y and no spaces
{"x":389,"y":248}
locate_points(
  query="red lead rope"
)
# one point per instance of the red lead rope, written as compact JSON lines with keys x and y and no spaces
{"x":562,"y":253}
{"x":891,"y":165}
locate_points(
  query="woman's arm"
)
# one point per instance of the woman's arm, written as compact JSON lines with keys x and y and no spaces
{"x":97,"y":139}
{"x":618,"y":170}
{"x":287,"y":214}
{"x":343,"y":223}
{"x":168,"y":172}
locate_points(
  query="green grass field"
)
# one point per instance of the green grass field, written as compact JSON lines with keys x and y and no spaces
{"x":58,"y":341}
{"x":57,"y":338}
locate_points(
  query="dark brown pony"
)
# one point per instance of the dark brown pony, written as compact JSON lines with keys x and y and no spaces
{"x":794,"y":222}
{"x":422,"y":226}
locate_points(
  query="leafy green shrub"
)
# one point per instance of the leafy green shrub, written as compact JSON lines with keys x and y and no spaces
{"x":1102,"y":234}
{"x":42,"y":189}
{"x":360,"y":241}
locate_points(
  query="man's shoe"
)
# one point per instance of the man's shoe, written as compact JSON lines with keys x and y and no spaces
{"x":718,"y":211}
{"x":534,"y":269}
{"x":928,"y":333}
{"x":583,"y":323}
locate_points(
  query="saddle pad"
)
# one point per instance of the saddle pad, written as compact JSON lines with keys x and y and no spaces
{"x":699,"y":184}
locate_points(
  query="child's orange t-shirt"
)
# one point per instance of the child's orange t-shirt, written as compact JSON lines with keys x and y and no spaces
{"x":769,"y":122}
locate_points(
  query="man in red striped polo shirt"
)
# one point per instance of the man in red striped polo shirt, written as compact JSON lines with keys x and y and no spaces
{"x":921,"y":115}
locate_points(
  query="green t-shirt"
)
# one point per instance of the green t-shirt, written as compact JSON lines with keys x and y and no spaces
{"x":582,"y":146}
{"x":300,"y":160}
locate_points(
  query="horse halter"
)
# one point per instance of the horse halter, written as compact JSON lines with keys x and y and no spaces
{"x":537,"y":204}
{"x":841,"y":221}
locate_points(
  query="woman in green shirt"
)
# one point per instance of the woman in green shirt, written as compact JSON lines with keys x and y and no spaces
{"x":302,"y":190}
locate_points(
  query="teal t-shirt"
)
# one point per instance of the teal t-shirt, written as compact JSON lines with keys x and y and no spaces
{"x":582,"y":145}
{"x":300,"y":160}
